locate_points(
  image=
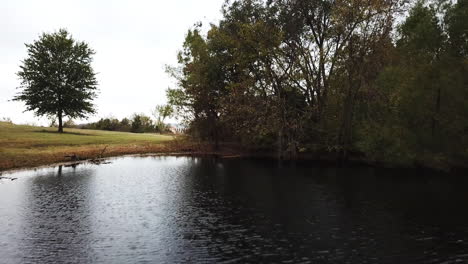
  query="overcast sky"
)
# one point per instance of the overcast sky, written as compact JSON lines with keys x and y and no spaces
{"x":133,"y":40}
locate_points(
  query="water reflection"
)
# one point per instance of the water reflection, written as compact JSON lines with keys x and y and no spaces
{"x":55,"y":226}
{"x":172,"y":210}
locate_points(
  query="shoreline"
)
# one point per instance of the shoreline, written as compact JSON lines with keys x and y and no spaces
{"x":27,"y":147}
{"x":105,"y":159}
{"x":81,"y":162}
{"x":228,"y":154}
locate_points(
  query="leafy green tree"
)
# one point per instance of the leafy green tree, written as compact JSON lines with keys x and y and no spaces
{"x":411,"y":89}
{"x":246,"y":44}
{"x":422,"y":112}
{"x":161,"y":112}
{"x":125,"y":125}
{"x":57,"y":78}
{"x":457,"y":27}
{"x":69,"y":123}
{"x":421,"y":35}
{"x":201,"y":85}
{"x":331,"y":76}
{"x":141,"y":124}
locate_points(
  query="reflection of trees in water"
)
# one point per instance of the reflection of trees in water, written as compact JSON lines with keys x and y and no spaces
{"x":241,"y":209}
{"x":170,"y":210}
{"x":257,"y":211}
{"x":56,"y":224}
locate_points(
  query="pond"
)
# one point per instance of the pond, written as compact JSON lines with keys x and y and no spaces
{"x":202,"y":210}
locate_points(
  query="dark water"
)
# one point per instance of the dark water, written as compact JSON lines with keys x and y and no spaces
{"x":172,"y":210}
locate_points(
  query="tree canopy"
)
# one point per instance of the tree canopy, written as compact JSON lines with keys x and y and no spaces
{"x":344,"y":78}
{"x":57,"y":78}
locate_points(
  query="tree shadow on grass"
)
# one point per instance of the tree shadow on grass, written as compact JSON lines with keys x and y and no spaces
{"x":64,"y":133}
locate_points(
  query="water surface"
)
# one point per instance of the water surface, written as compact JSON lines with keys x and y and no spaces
{"x":195,"y":210}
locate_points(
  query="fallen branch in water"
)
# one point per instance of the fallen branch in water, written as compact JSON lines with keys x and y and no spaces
{"x":97,"y":159}
{"x":73,"y":157}
{"x":8,"y":178}
{"x":100,"y":158}
{"x":102,"y":152}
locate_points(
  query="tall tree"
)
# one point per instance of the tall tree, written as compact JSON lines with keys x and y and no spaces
{"x":318,"y":33}
{"x":457,"y":27}
{"x":57,"y":77}
{"x":262,"y":105}
{"x":161,"y":112}
{"x":421,"y":116}
{"x":331,"y":76}
{"x":201,"y":85}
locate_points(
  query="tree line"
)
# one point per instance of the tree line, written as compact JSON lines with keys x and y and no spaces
{"x":137,"y":123}
{"x":386,"y":80}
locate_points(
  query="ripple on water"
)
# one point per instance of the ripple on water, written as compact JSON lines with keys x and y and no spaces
{"x":172,"y":210}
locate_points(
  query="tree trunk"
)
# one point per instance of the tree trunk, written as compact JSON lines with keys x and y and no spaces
{"x":437,"y":110}
{"x":344,"y":138}
{"x":214,"y":130}
{"x":280,"y":144}
{"x":60,"y":124}
{"x":216,"y":138}
{"x":346,"y":128}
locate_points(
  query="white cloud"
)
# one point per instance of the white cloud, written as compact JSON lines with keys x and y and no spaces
{"x":133,"y":41}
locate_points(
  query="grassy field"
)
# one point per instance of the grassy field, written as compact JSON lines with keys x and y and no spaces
{"x":27,"y":146}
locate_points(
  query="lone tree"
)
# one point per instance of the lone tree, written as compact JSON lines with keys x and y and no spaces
{"x":57,"y":78}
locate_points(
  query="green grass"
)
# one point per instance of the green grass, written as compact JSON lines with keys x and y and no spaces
{"x":24,"y":146}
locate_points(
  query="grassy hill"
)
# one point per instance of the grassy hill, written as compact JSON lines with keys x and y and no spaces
{"x":27,"y":146}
